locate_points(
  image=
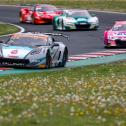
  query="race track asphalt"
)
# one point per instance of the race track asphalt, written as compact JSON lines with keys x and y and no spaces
{"x":80,"y":41}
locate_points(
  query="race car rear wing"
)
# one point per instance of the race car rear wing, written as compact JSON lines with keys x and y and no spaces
{"x":57,"y":34}
{"x":26,"y":5}
{"x":51,"y":34}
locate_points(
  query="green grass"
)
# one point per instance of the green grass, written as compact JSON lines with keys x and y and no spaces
{"x":7,"y":29}
{"x":114,"y":5}
{"x":86,"y":96}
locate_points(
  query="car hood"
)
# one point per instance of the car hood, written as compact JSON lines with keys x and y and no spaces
{"x":81,"y":19}
{"x":16,"y":52}
{"x":76,"y":19}
{"x":117,"y":34}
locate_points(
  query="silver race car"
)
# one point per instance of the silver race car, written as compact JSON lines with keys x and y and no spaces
{"x":33,"y":50}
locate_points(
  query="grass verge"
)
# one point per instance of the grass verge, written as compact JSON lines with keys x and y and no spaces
{"x":86,"y":96}
{"x":7,"y":29}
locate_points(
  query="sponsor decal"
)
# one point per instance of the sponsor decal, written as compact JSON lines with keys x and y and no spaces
{"x":14,"y":51}
{"x":12,"y":56}
{"x":120,"y":33}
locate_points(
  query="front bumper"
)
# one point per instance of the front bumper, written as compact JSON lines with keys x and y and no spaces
{"x":42,"y":20}
{"x":116,"y":43}
{"x":14,"y":62}
{"x":120,"y":43}
{"x":75,"y":26}
{"x":19,"y":63}
{"x":82,"y":26}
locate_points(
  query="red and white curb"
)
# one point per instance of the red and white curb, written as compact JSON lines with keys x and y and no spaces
{"x":96,"y":54}
{"x":4,"y":69}
{"x":87,"y":56}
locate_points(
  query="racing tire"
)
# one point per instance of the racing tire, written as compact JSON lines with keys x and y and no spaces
{"x":96,"y":28}
{"x":62,"y":25}
{"x":33,"y":20}
{"x":20,"y":18}
{"x":107,"y":46}
{"x":64,"y":59}
{"x":54,"y":26}
{"x":48,"y":60}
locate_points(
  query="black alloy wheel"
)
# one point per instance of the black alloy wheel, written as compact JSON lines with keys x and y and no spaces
{"x":48,"y":60}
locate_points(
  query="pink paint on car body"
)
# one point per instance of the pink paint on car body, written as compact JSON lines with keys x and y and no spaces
{"x":116,"y":36}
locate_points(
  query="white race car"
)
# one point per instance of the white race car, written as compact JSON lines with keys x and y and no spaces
{"x":33,"y":50}
{"x":74,"y":19}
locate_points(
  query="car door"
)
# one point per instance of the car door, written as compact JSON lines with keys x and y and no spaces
{"x":54,"y":48}
{"x":61,"y":22}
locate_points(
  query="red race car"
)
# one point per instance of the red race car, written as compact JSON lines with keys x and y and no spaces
{"x":39,"y":13}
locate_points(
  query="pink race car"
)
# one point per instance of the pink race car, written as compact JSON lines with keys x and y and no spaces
{"x":116,"y":36}
{"x":39,"y":13}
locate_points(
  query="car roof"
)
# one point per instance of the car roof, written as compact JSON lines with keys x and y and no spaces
{"x":74,"y":10}
{"x":30,"y":34}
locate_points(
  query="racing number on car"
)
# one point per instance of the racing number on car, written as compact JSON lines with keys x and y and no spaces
{"x":14,"y":51}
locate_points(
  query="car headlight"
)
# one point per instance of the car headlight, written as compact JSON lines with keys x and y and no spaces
{"x":93,"y":20}
{"x":36,"y":51}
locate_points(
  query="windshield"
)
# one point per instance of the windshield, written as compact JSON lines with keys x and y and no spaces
{"x":45,"y":8}
{"x":121,"y":27}
{"x":28,"y":40}
{"x":78,"y":14}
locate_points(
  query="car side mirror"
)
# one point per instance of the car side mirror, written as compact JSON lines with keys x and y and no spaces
{"x":54,"y":45}
{"x":53,"y":39}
